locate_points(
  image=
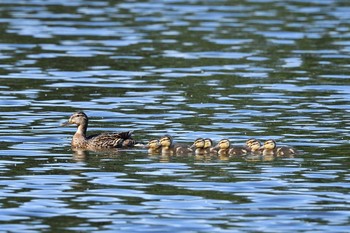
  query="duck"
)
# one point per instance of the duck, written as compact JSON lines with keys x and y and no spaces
{"x":208,"y":146}
{"x":269,"y":147}
{"x":199,"y":144}
{"x":254,"y":147}
{"x":97,"y":141}
{"x":223,"y":147}
{"x":154,"y":146}
{"x":168,"y":147}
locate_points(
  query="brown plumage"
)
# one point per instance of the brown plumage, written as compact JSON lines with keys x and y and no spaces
{"x":98,"y":141}
{"x":286,"y":151}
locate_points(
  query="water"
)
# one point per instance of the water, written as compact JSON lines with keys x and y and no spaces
{"x":235,"y":69}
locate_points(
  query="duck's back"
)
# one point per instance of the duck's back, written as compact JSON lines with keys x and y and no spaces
{"x":111,"y":140}
{"x":286,"y":151}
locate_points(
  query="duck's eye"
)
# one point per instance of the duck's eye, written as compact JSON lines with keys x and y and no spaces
{"x":79,"y":115}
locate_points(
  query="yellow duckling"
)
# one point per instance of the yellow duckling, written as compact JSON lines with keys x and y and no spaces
{"x":166,"y":143}
{"x":99,"y":141}
{"x":269,"y":147}
{"x":154,"y":146}
{"x":223,"y":147}
{"x":169,"y":148}
{"x":199,"y":144}
{"x":208,"y":147}
{"x":255,"y":147}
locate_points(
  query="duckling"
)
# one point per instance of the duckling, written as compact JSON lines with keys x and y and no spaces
{"x":153,"y":146}
{"x":208,"y":147}
{"x":223,"y":147}
{"x":269,"y":147}
{"x":166,"y":143}
{"x":169,"y":148}
{"x":255,"y":147}
{"x":286,"y":151}
{"x":99,"y":141}
{"x":199,"y":144}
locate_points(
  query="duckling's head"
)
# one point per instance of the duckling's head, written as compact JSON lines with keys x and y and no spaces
{"x":198,"y":143}
{"x":153,"y":144}
{"x":270,"y":144}
{"x":223,"y":144}
{"x":255,"y":145}
{"x":208,"y":143}
{"x":166,"y":141}
{"x":78,"y":118}
{"x":250,"y":141}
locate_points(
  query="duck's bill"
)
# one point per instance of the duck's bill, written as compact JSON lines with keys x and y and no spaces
{"x":65,"y":123}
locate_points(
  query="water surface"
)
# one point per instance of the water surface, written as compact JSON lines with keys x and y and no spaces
{"x":218,"y":69}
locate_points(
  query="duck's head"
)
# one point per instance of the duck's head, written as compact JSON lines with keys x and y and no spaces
{"x":208,"y":143}
{"x":166,"y":141}
{"x":223,"y":144}
{"x":270,"y":144}
{"x":153,"y":144}
{"x":78,"y":118}
{"x":250,"y":141}
{"x":255,"y":145}
{"x":198,"y":143}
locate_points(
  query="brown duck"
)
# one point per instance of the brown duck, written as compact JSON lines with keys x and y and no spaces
{"x":97,"y":141}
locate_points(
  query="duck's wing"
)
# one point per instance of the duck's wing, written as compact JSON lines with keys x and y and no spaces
{"x":110,"y":140}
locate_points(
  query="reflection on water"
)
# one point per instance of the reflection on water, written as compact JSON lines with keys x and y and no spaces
{"x":218,"y":69}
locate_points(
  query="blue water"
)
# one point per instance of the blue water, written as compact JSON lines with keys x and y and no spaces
{"x":218,"y":69}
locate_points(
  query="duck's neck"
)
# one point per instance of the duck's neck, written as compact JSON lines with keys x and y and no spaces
{"x":81,"y":131}
{"x":79,"y":138}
